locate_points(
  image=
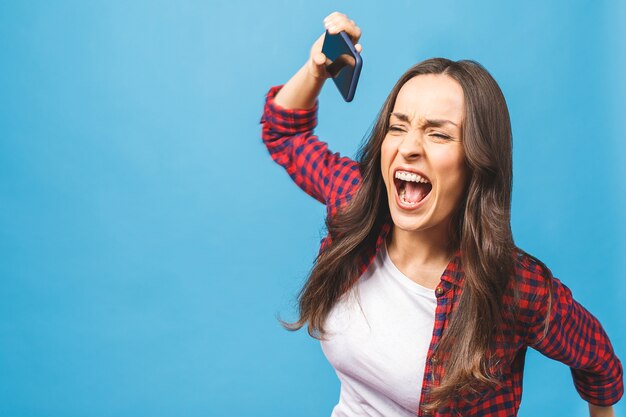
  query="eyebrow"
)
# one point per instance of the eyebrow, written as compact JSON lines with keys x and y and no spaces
{"x":429,"y":122}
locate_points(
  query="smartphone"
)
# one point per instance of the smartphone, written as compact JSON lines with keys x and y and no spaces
{"x":343,"y":63}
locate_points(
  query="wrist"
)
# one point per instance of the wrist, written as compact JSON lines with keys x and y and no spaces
{"x":300,"y":92}
{"x":313,"y":73}
{"x":599,"y":411}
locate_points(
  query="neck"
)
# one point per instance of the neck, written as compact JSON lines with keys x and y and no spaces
{"x":429,"y":247}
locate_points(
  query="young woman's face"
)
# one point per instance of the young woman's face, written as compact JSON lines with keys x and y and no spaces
{"x":422,"y":157}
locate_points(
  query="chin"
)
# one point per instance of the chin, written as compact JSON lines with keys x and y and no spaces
{"x":407,"y":221}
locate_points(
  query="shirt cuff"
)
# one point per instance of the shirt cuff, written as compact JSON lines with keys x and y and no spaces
{"x":285,"y":120}
{"x":601,"y":393}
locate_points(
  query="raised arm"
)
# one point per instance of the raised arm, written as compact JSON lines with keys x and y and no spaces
{"x":289,"y":117}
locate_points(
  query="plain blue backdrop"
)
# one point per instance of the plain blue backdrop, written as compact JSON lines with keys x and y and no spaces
{"x":148,"y":242}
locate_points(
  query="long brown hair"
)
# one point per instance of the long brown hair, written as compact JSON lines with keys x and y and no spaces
{"x":481,"y":230}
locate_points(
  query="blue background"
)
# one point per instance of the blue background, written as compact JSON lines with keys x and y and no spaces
{"x":148,"y":242}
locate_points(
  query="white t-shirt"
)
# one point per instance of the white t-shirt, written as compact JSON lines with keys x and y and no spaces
{"x":379,"y":348}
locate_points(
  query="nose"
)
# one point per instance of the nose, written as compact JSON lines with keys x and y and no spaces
{"x":411,"y":146}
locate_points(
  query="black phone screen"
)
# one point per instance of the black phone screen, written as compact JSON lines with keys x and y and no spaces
{"x":343,"y":63}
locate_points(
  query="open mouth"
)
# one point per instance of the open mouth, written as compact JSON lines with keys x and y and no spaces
{"x":411,"y":187}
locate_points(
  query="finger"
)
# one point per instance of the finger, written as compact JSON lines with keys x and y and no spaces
{"x":332,"y":26}
{"x":354,"y":32}
{"x":336,"y":19}
{"x":319,"y":59}
{"x":337,"y":25}
{"x":358,"y":47}
{"x":335,"y":15}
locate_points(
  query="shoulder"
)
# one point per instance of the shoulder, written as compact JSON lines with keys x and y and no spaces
{"x":529,"y":267}
{"x":531,"y":280}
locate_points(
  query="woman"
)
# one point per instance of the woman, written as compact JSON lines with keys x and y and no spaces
{"x":423,"y":304}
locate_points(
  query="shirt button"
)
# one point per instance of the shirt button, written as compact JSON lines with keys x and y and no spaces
{"x":439,"y":291}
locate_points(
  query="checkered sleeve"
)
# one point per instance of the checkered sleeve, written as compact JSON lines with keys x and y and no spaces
{"x":288,"y":136}
{"x":576,"y":338}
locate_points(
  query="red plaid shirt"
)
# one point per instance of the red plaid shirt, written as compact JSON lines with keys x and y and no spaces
{"x":575,"y":337}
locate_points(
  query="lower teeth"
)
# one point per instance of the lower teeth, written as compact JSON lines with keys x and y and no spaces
{"x":406,"y":202}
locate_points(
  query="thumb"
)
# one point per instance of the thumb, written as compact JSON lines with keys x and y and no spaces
{"x":319,"y":59}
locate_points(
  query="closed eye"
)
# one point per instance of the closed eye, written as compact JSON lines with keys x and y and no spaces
{"x":439,"y":135}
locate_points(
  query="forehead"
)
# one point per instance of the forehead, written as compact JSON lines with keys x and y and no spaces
{"x":431,"y":96}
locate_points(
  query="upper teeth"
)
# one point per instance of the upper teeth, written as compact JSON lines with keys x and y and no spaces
{"x":410,"y":176}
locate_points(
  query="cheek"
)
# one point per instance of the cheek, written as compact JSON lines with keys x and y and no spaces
{"x":451,"y":169}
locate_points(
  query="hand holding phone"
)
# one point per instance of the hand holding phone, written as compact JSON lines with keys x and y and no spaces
{"x":343,"y":63}
{"x":342,"y":34}
{"x":303,"y":88}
